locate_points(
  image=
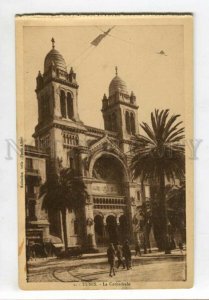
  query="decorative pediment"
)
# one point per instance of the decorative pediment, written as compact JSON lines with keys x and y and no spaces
{"x":105,"y":144}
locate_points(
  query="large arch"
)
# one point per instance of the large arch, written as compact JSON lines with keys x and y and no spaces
{"x":99,"y":229}
{"x":99,"y":154}
{"x":112,"y":230}
{"x":109,"y":175}
{"x":123,"y":225}
{"x":109,"y":214}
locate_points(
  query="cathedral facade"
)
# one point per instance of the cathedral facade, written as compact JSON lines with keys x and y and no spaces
{"x":101,"y":159}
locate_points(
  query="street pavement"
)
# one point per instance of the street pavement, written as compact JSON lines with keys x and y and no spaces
{"x":154,"y":266}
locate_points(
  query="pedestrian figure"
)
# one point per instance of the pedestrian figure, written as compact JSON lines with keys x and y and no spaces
{"x":137,"y":248}
{"x":119,"y":255}
{"x":181,"y":248}
{"x":127,"y":255}
{"x":144,"y":242}
{"x":173,"y":243}
{"x":111,"y":259}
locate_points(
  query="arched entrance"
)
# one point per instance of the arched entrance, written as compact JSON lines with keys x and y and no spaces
{"x":99,"y":230}
{"x":112,"y":229}
{"x":123,"y":226}
{"x":109,"y":177}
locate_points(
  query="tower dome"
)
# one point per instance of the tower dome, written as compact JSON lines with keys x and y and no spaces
{"x":54,"y":58}
{"x":117,"y":85}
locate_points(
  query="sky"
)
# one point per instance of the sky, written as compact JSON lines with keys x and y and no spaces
{"x":157,"y":80}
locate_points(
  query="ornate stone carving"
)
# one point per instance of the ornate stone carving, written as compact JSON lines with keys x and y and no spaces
{"x":135,"y":221}
{"x":89,"y":222}
{"x":88,"y":200}
{"x":105,"y":144}
{"x":132,"y":200}
{"x":85,"y":166}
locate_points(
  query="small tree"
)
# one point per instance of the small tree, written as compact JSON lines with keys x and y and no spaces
{"x":63,"y":191}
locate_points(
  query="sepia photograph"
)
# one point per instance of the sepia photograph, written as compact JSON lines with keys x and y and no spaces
{"x":105,"y":175}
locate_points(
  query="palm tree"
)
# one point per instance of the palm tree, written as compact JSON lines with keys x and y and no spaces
{"x":63,"y":191}
{"x":159,"y":156}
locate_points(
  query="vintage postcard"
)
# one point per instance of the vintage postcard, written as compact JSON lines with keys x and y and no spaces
{"x":105,"y":171}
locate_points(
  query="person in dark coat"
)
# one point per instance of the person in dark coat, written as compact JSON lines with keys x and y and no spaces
{"x":119,"y":254}
{"x":127,"y":255}
{"x":137,"y":248}
{"x":111,"y":259}
{"x":181,"y":247}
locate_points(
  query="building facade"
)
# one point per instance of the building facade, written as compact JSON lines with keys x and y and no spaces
{"x":101,"y":158}
{"x":37,"y":224}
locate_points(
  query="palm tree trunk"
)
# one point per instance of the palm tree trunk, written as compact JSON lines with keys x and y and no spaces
{"x":144,"y":227}
{"x":145,"y":232}
{"x":64,"y":226}
{"x":164,"y":215}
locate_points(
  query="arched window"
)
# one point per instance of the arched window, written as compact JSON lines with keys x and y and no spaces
{"x":70,"y":112}
{"x":112,"y":228}
{"x":62,"y":104}
{"x":109,"y":123}
{"x":132,"y":122}
{"x":128,"y":122}
{"x":106,"y":124}
{"x":123,"y":227}
{"x":114,"y":121}
{"x":99,"y":229}
{"x":45,"y":106}
{"x":76,"y":140}
{"x":31,"y":210}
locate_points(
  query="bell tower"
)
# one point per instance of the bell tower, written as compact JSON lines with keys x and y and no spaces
{"x":56,"y":90}
{"x":58,"y":125}
{"x":120,"y":112}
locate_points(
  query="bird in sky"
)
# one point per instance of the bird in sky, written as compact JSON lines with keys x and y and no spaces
{"x":162,"y":53}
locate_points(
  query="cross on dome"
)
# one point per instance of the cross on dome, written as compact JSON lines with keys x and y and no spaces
{"x":54,"y":58}
{"x":53,"y":43}
{"x":117,"y":85}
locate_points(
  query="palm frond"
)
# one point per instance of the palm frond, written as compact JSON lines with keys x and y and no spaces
{"x":169,"y":124}
{"x":148,"y":131}
{"x":63,"y":190}
{"x":160,"y":150}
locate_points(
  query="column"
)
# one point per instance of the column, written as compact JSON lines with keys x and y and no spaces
{"x":129,"y":193}
{"x":89,"y":243}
